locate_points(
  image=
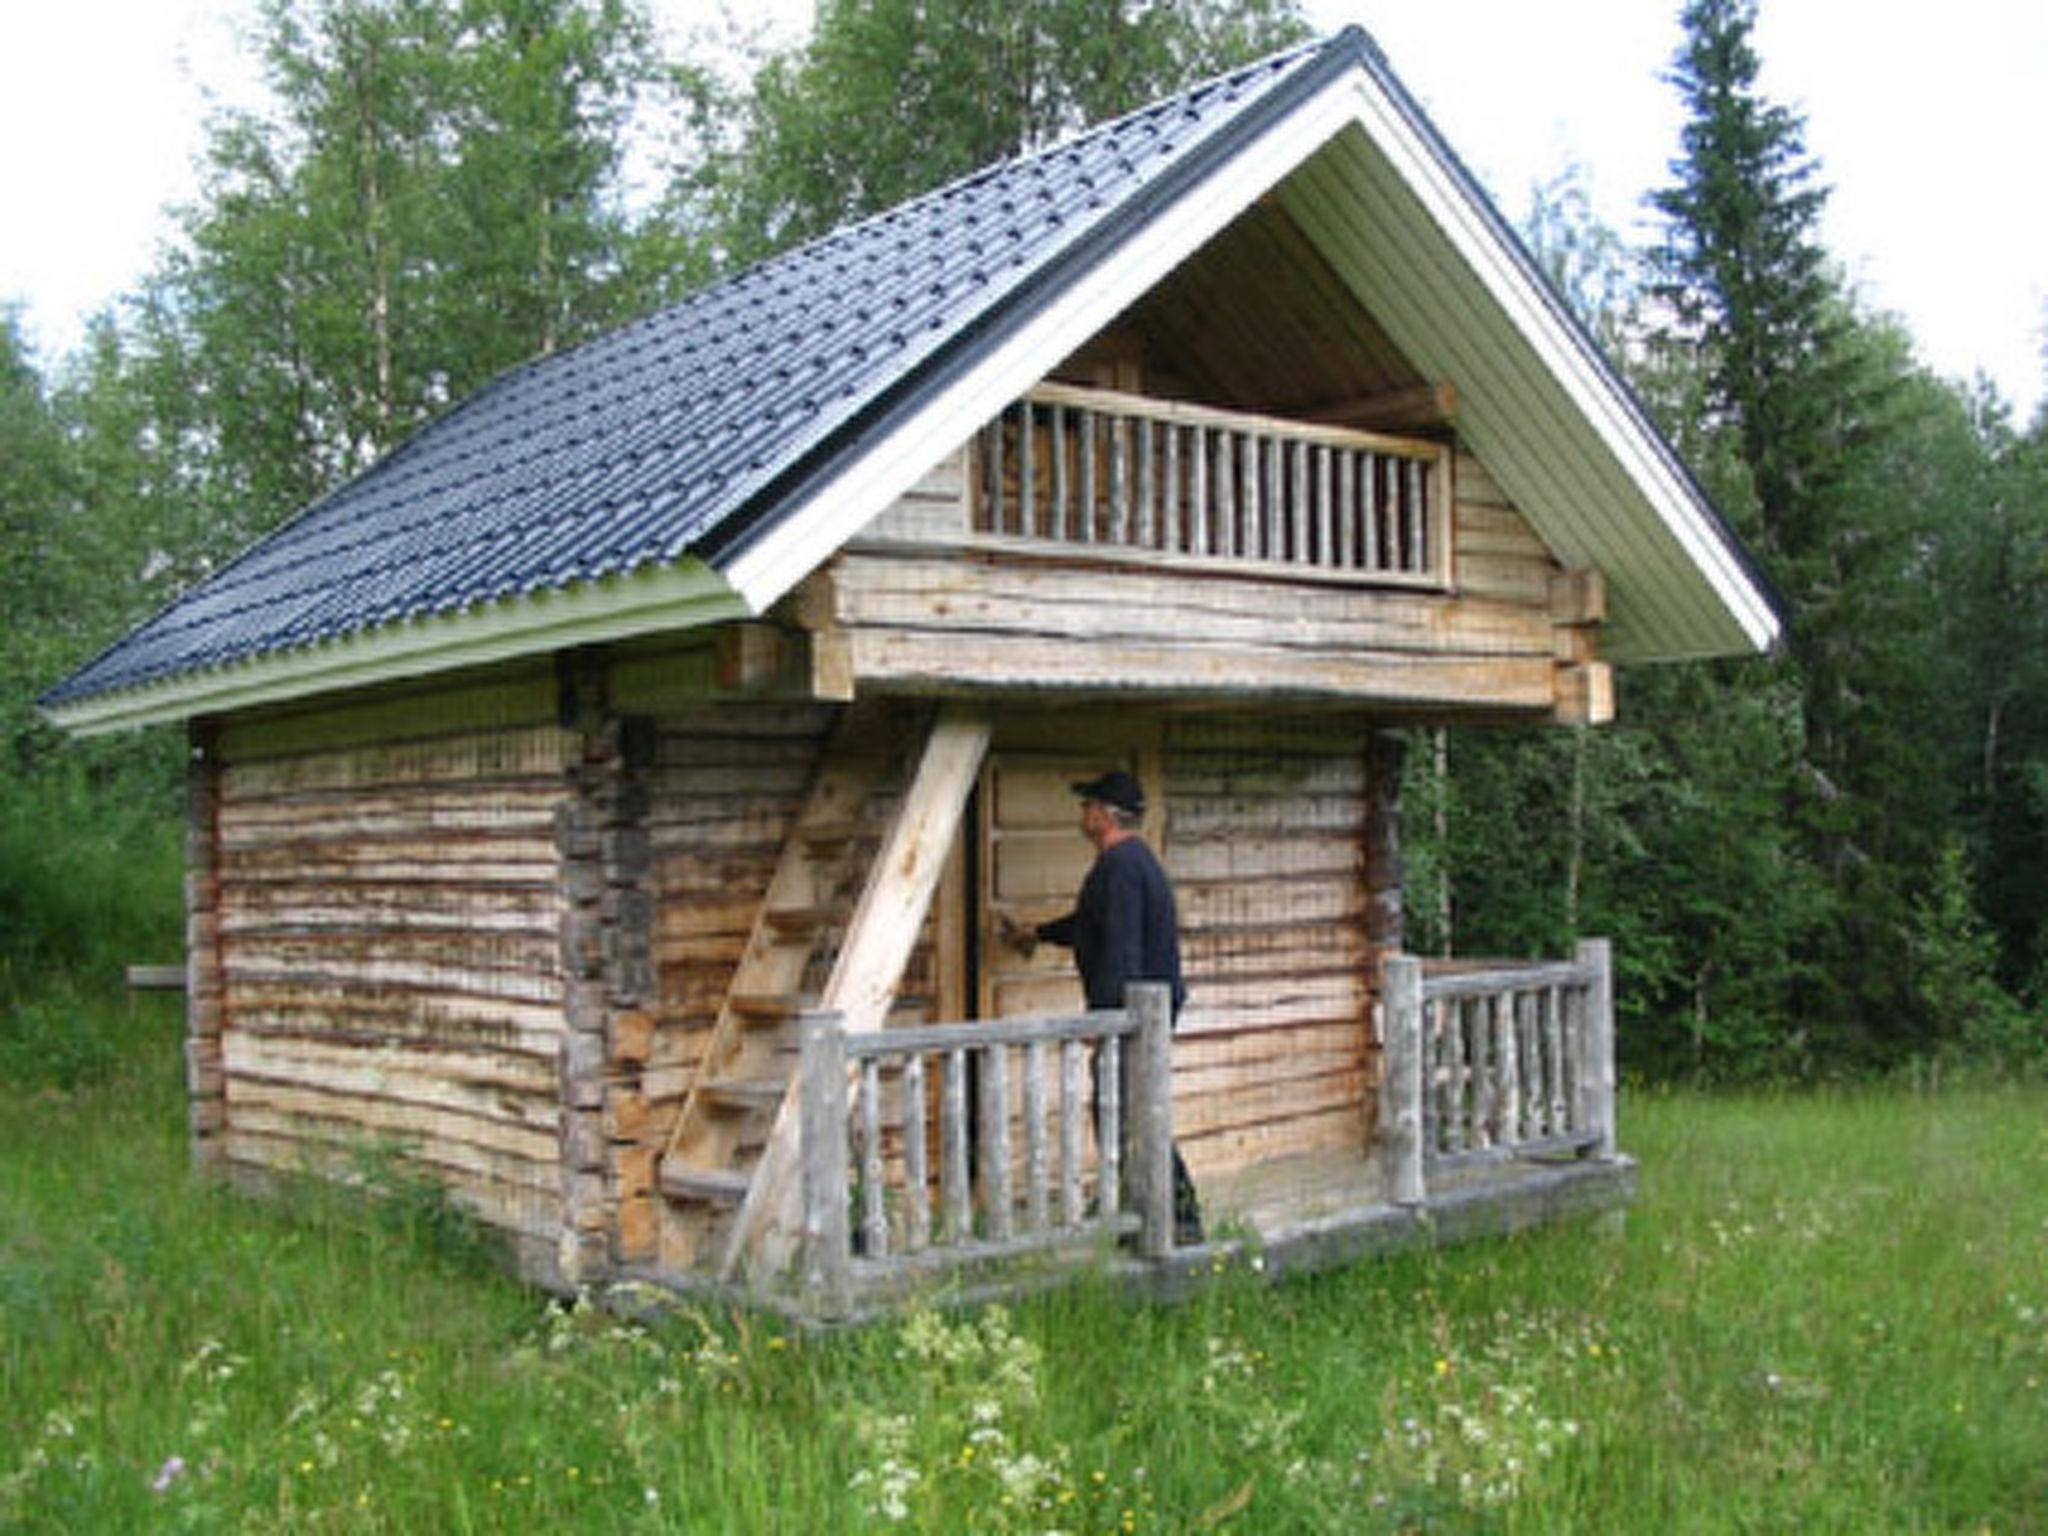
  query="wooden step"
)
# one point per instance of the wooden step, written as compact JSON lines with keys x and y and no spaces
{"x":711,"y":1186}
{"x":835,"y":834}
{"x":809,"y":919}
{"x":750,"y":1093}
{"x":757,"y":1009}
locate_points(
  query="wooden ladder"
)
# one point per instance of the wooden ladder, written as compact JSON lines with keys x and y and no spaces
{"x":735,"y":1132}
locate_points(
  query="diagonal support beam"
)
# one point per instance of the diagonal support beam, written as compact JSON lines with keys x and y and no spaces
{"x":864,"y":982}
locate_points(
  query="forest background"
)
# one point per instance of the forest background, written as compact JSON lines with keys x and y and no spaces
{"x":1828,"y":862}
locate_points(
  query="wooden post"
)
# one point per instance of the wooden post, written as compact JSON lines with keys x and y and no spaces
{"x":1401,"y":1084}
{"x":1596,"y":1077}
{"x":205,"y":1009}
{"x":1151,"y":1116}
{"x":826,"y":1245}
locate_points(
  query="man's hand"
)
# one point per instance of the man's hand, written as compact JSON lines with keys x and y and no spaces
{"x":1019,"y":937}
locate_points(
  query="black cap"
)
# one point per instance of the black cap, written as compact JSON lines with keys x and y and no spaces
{"x":1116,"y":789}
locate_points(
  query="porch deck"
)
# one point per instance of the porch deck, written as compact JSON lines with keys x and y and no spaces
{"x":1495,"y":1113}
{"x":1319,"y":1211}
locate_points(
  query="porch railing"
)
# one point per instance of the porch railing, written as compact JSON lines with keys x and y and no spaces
{"x":1088,"y":469}
{"x":1484,"y":1062}
{"x":1002,"y":1164}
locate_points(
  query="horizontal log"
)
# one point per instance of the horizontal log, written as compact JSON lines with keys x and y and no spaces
{"x":1491,"y":980}
{"x":308,"y":970}
{"x":155,"y":978}
{"x":506,"y":700}
{"x":1335,"y":1128}
{"x":1021,"y":595}
{"x":326,"y":1007}
{"x":1192,"y":859}
{"x":429,"y":1092}
{"x":514,"y":1154}
{"x":451,"y":860}
{"x":282,"y":1147}
{"x":531,"y":755}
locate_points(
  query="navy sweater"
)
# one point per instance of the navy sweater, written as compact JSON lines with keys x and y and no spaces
{"x":1123,"y":927}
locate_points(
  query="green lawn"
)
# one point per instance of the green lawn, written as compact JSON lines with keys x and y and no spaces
{"x":1826,"y":1313}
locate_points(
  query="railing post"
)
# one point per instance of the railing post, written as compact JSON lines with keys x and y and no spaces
{"x":1401,"y":1078}
{"x":1150,"y":1102}
{"x":1596,"y":1078}
{"x":827,"y":1249}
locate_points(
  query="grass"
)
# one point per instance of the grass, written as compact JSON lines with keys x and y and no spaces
{"x":1825,"y":1313}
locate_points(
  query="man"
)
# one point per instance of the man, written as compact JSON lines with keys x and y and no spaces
{"x":1123,"y":928}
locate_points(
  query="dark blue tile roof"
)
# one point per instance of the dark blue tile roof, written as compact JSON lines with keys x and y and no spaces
{"x":687,"y":432}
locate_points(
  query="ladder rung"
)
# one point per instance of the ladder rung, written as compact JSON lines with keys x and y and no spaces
{"x":718,"y":1186}
{"x":748,"y":1092}
{"x":825,"y":834}
{"x":808,"y":919}
{"x":764,"y":1007}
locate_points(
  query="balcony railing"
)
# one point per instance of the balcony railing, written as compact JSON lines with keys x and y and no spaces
{"x":1119,"y":474}
{"x":1485,"y":1063}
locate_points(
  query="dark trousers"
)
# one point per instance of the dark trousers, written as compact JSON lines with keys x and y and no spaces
{"x":1187,"y":1206}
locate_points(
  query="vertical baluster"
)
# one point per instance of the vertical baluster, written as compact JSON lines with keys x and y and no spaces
{"x":1059,"y":515}
{"x":1085,"y":532}
{"x":1344,"y":553}
{"x":874,"y":1226}
{"x":1251,"y":540}
{"x":1373,"y":556}
{"x":1109,"y":1125}
{"x":1485,"y":1060}
{"x":1027,"y":470}
{"x":994,"y":1141}
{"x":917,"y":1194}
{"x":1433,"y":1013}
{"x":1417,"y":552}
{"x":1554,"y":1122}
{"x":1200,"y":541}
{"x":1036,"y":1203}
{"x":1146,"y":483}
{"x":1511,"y":1070}
{"x":953,"y":1152}
{"x":1120,"y":481}
{"x":1073,"y":1063}
{"x":1324,"y":554}
{"x":1226,"y":493}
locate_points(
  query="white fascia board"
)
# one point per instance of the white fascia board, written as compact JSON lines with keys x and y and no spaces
{"x":891,"y":465}
{"x":1585,"y":381}
{"x":685,"y":595}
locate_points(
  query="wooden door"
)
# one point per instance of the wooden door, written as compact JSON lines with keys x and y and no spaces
{"x":1032,"y":856}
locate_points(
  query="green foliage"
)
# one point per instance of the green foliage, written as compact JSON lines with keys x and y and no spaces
{"x":889,"y":99}
{"x":431,"y":196}
{"x":89,"y":884}
{"x":1955,"y":972}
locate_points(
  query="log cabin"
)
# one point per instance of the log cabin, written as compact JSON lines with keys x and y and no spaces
{"x":611,"y":800}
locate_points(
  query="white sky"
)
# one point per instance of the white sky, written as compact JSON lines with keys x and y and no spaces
{"x":1928,"y":121}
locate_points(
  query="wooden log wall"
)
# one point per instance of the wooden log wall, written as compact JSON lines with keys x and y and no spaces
{"x":389,"y":934}
{"x":1268,"y":830}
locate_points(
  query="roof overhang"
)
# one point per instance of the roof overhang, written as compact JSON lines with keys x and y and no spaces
{"x":661,"y":600}
{"x":1359,"y":168}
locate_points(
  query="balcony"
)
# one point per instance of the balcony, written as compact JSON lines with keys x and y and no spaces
{"x":1081,"y":470}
